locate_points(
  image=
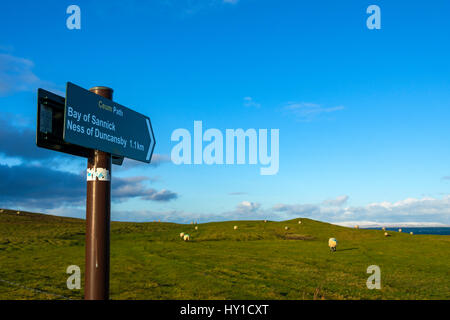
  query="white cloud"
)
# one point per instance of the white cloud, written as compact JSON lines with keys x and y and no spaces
{"x":339,"y":201}
{"x":250,"y":103}
{"x":410,"y":212}
{"x":374,"y":224}
{"x":247,"y":206}
{"x":422,"y":210}
{"x":306,"y":111}
{"x":296,"y":209}
{"x":16,"y":75}
{"x":237,"y":193}
{"x":129,"y":164}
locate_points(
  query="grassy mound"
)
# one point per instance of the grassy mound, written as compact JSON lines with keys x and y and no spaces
{"x":259,"y":260}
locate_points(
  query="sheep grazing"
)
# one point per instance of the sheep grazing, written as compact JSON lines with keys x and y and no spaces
{"x":186,"y":237}
{"x":18,"y":212}
{"x":299,"y":222}
{"x":286,"y":228}
{"x":235,"y":227}
{"x":411,"y":233}
{"x":182,"y":235}
{"x":399,"y":230}
{"x":332,"y":243}
{"x":196,"y":228}
{"x":387,"y":234}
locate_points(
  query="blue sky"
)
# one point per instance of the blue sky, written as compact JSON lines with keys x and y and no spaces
{"x":363,"y":114}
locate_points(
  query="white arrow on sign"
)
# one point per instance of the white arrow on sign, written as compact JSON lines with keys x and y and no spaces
{"x":151,"y":136}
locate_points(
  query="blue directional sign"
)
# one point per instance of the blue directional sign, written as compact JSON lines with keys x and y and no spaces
{"x":95,"y":122}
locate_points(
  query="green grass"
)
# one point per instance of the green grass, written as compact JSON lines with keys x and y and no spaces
{"x":257,"y":261}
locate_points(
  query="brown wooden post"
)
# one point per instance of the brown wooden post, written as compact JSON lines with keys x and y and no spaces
{"x":98,"y":216}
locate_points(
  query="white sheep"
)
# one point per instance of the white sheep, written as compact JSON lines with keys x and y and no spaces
{"x":332,"y":243}
{"x":182,"y":235}
{"x":411,"y":233}
{"x":299,"y":222}
{"x":384,"y":228}
{"x":386,"y":234}
{"x":286,"y":228}
{"x":399,"y":230}
{"x":235,"y":227}
{"x":196,"y":228}
{"x":18,"y":212}
{"x":186,"y":237}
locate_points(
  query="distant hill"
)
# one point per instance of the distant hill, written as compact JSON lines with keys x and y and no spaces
{"x":259,"y":260}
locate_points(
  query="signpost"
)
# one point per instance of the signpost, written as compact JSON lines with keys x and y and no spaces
{"x":89,"y":124}
{"x":96,"y":122}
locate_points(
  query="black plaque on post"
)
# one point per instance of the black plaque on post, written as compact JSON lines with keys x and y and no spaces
{"x":50,"y":127}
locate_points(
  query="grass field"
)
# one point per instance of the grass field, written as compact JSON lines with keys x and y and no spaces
{"x":257,"y":261}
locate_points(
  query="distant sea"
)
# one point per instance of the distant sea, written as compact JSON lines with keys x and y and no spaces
{"x":421,"y":230}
